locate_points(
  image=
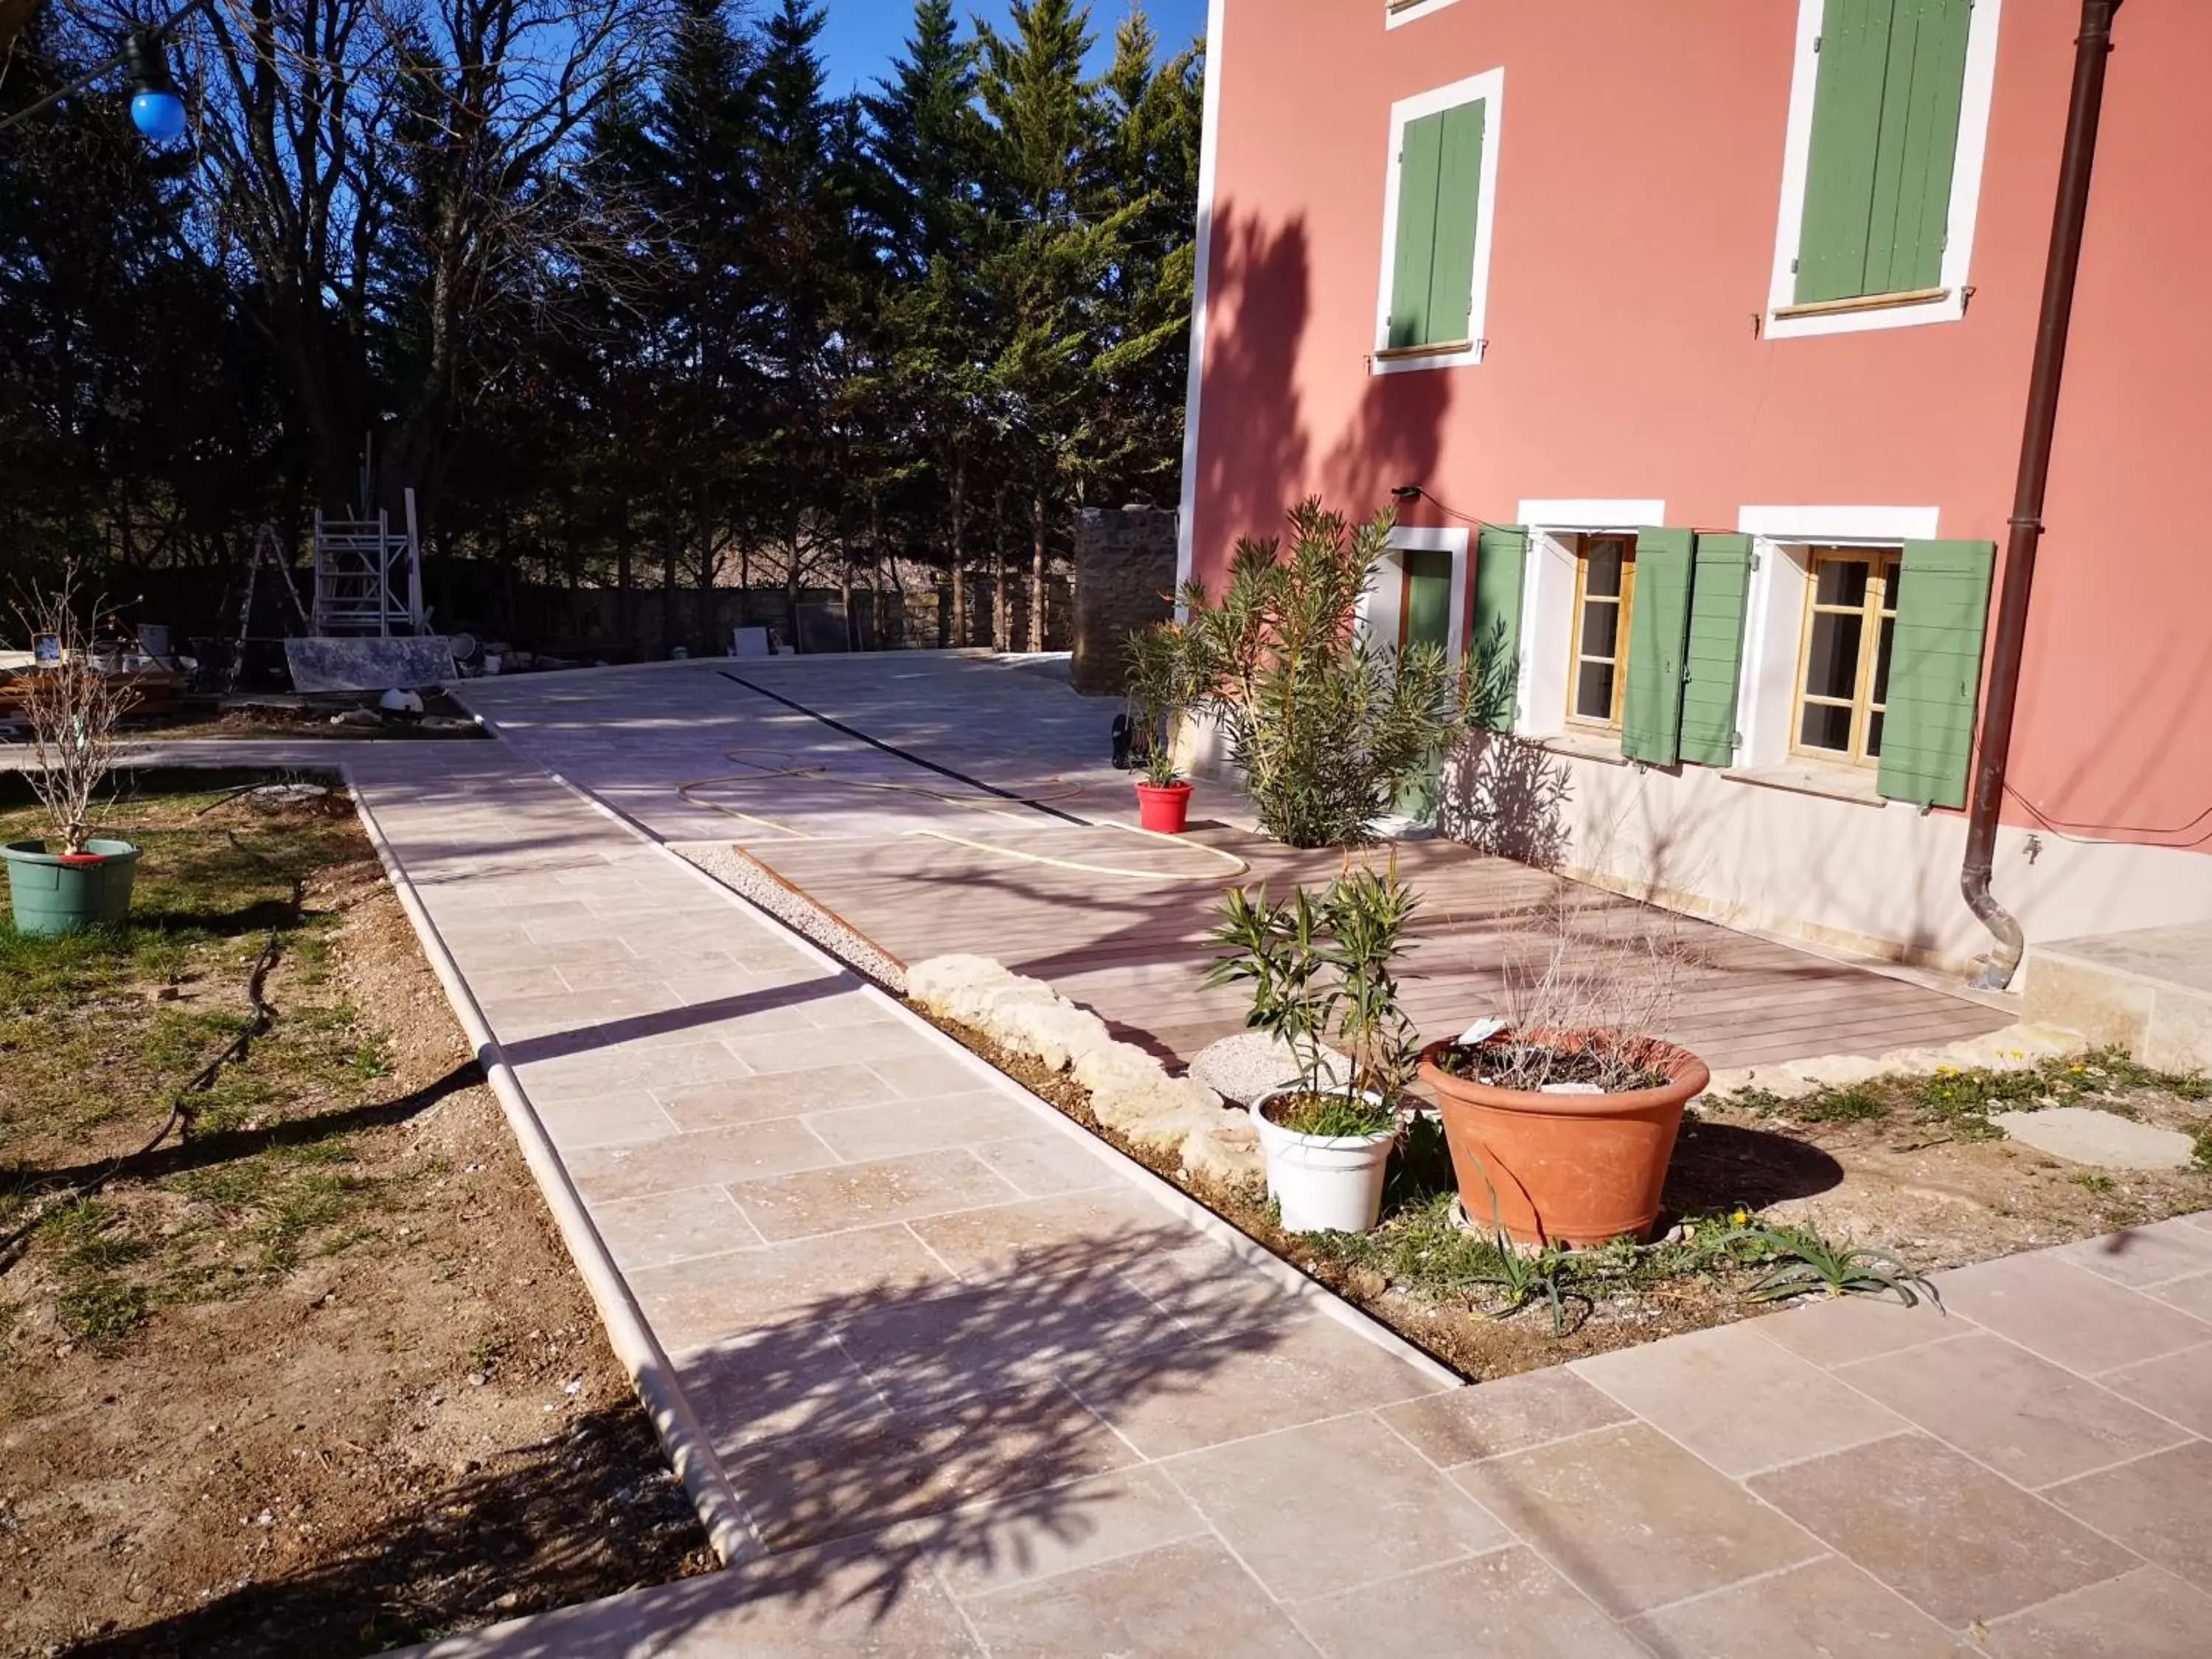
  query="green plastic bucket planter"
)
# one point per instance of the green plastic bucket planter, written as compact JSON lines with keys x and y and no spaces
{"x":53,"y":893}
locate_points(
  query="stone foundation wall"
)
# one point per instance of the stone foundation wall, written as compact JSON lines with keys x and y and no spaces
{"x":1125,"y":572}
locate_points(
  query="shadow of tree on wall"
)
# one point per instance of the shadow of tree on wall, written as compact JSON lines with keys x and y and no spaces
{"x":1394,"y":437}
{"x":1503,"y":795}
{"x":1252,"y":440}
{"x":1257,"y":451}
{"x":879,"y":1441}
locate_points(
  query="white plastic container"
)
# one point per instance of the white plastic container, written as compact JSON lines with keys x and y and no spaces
{"x":1324,"y":1184}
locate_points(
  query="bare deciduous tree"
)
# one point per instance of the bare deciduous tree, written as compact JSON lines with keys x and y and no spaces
{"x":72,"y":708}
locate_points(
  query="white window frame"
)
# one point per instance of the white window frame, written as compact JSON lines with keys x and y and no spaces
{"x":1774,"y":609}
{"x":1397,"y":16}
{"x":1547,"y":598}
{"x":1380,"y":600}
{"x":1966,"y":186}
{"x":1488,"y":89}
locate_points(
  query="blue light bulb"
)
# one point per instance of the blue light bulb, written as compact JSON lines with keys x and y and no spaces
{"x":158,"y":115}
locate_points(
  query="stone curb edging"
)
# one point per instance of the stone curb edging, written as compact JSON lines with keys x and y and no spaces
{"x":689,"y":1452}
{"x":1166,"y":1194}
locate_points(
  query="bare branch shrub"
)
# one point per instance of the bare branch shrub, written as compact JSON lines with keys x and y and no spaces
{"x":1585,"y":1000}
{"x":73,"y":709}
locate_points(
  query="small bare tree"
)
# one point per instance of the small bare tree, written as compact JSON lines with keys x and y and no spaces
{"x":72,"y":708}
{"x":1586,"y":999}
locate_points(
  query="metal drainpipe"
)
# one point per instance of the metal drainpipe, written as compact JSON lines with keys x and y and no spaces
{"x":2091,"y":47}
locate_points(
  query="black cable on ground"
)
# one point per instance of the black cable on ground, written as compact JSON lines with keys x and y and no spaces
{"x":912,"y":759}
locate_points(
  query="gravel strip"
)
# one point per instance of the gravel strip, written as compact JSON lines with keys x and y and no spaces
{"x":751,"y":882}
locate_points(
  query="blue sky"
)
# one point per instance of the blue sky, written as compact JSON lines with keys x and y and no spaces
{"x":863,"y":36}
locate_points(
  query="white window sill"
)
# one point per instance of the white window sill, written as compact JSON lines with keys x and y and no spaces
{"x":1404,"y":359}
{"x":1602,"y":746}
{"x":1855,"y":784}
{"x":1785,"y":321}
{"x":1401,"y":12}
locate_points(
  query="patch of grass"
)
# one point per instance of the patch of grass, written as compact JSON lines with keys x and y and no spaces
{"x":1961,"y":1101}
{"x":1855,"y":1105}
{"x":2200,"y":1154}
{"x":2094,"y":1181}
{"x":1423,"y":1252}
{"x":104,"y":1310}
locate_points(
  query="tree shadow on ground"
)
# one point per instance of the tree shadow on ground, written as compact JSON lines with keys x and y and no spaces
{"x":229,"y":1146}
{"x":880,"y":1440}
{"x":532,"y":1529}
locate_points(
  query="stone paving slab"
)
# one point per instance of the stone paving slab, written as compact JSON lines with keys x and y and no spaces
{"x":969,"y":1417}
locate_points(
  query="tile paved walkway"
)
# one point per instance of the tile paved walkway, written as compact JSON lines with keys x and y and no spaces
{"x":981,"y":1393}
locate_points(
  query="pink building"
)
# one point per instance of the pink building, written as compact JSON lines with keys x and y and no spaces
{"x":1705,"y":327}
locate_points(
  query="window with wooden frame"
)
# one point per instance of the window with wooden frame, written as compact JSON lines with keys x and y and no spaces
{"x":1843,"y":670}
{"x":1605,"y":593}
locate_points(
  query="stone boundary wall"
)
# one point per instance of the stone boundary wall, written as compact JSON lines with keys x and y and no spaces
{"x":1125,"y":572}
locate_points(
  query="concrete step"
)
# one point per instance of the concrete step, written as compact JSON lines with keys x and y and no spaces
{"x":2148,"y":991}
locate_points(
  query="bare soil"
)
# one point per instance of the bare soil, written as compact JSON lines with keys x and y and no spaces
{"x":299,"y":717}
{"x":1936,"y":1186}
{"x":320,"y":1379}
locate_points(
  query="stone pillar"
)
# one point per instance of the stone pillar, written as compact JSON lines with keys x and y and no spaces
{"x":1125,"y":576}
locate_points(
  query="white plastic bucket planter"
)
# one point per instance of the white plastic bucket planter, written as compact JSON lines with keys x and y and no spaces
{"x":1324,"y":1184}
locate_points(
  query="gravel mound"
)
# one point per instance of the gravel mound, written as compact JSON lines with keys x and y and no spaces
{"x":750,"y":881}
{"x":1243,"y":1068}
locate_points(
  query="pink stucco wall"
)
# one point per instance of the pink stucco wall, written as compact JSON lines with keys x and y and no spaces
{"x":1638,"y":183}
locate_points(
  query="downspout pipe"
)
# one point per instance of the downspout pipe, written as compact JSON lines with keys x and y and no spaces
{"x":2091,"y":47}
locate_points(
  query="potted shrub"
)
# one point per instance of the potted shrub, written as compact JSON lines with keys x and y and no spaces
{"x":73,"y":878}
{"x":1321,"y":980}
{"x":1158,"y":689}
{"x":1163,"y":799}
{"x":1561,"y":1117}
{"x":1327,"y":723}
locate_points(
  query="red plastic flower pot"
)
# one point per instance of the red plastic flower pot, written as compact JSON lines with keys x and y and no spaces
{"x":1163,"y":809}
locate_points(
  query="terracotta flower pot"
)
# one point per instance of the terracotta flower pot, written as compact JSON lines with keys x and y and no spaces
{"x":1564,"y":1169}
{"x":1163,"y":808}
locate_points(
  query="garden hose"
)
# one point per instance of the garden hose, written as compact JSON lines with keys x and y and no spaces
{"x":996,"y":800}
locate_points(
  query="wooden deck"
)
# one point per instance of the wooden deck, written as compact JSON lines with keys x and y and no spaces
{"x":1134,"y":949}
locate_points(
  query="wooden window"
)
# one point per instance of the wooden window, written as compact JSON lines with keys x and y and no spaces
{"x":1885,"y":104}
{"x":1439,"y":197}
{"x":1843,"y":676}
{"x":1605,"y":598}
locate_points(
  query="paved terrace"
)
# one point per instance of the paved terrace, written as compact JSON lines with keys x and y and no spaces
{"x":919,"y":876}
{"x":980,"y":1389}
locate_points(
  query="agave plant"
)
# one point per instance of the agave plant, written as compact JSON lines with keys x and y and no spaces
{"x":1808,"y":1263}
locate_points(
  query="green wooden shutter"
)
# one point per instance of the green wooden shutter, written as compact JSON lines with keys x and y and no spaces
{"x":1658,"y":635}
{"x":1458,"y":192}
{"x":1886,"y":101}
{"x":1935,"y":672}
{"x":1420,"y":159}
{"x":1926,"y":82}
{"x":1720,"y":589}
{"x":1847,"y":89}
{"x":1501,"y":562}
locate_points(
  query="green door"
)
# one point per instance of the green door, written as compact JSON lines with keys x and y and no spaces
{"x":1425,"y":618}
